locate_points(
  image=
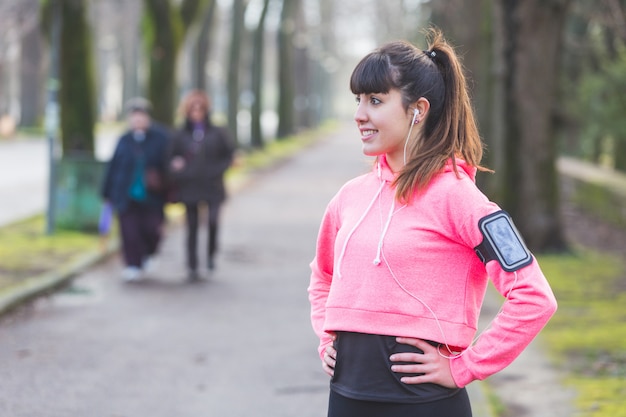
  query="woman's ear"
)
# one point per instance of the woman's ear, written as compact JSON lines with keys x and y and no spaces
{"x":422,"y":105}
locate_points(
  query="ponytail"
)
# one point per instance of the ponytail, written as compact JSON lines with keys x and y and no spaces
{"x":435,"y":74}
{"x":450,"y":129}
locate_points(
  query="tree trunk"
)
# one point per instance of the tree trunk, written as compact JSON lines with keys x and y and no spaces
{"x":168,"y":27}
{"x":31,"y":78}
{"x":203,"y":47}
{"x":532,"y":36}
{"x":303,"y":72}
{"x":77,"y":91}
{"x":286,"y":97}
{"x":162,"y":50}
{"x":130,"y":50}
{"x":236,"y":40}
{"x":328,"y":63}
{"x":256,"y":133}
{"x":469,"y":26}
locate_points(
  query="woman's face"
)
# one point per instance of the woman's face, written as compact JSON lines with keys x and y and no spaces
{"x":384,"y":125}
{"x":197,"y":113}
{"x":138,"y":121}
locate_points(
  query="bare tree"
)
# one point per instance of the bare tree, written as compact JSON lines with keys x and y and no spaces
{"x":511,"y":51}
{"x":469,"y":26}
{"x":76,"y":94}
{"x":169,"y":24}
{"x":21,"y":61}
{"x":120,"y":58}
{"x":256,"y":132}
{"x":236,"y":42}
{"x":203,"y":46}
{"x":303,"y":76}
{"x":324,"y":53}
{"x":287,"y":94}
{"x":31,"y":65}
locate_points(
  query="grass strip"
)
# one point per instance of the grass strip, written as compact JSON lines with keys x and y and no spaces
{"x":587,"y":335}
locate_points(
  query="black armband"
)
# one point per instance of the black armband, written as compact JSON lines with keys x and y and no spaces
{"x":502,"y":242}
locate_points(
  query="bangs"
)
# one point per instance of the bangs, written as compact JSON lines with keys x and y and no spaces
{"x":372,"y":75}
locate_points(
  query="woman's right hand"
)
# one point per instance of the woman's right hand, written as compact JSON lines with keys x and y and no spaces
{"x":330,"y":358}
{"x":177,"y":163}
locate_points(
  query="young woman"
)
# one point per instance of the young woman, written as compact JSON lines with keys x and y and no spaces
{"x":404,"y":252}
{"x":200,"y":154}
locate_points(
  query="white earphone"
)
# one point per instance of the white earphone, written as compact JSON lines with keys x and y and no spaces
{"x":415,"y":113}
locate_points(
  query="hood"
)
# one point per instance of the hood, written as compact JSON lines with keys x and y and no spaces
{"x":385,"y":173}
{"x":383,"y":170}
{"x":461,"y":166}
{"x":386,"y":177}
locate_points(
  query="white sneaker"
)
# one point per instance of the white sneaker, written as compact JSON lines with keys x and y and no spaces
{"x":131,"y":273}
{"x":150,"y":264}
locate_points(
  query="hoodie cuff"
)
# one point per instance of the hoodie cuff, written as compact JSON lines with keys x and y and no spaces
{"x":460,"y":373}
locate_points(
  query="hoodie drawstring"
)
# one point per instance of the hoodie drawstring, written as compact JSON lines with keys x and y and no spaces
{"x":392,"y":211}
{"x":358,"y":223}
{"x":382,"y":235}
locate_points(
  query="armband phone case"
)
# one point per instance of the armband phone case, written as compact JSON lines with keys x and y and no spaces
{"x":502,"y":242}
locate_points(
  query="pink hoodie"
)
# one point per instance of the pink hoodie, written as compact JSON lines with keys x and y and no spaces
{"x":410,"y":270}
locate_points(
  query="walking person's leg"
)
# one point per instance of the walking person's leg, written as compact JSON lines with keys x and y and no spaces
{"x":213,"y":227}
{"x":152,"y":229}
{"x":191,"y":211}
{"x":132,"y":242}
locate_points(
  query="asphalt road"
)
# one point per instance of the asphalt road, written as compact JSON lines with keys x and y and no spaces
{"x":238,"y":345}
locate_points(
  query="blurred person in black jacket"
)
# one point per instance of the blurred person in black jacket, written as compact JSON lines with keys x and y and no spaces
{"x":200,"y":153}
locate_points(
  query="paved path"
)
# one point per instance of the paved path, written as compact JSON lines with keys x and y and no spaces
{"x":238,"y":345}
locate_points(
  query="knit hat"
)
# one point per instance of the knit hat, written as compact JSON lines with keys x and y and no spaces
{"x":138,"y":104}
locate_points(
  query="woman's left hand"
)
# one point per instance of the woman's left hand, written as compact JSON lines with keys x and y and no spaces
{"x":434,"y":367}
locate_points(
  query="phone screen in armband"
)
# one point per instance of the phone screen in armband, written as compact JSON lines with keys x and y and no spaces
{"x":502,"y":242}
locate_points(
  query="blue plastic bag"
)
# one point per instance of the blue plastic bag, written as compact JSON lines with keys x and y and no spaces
{"x":106,"y":218}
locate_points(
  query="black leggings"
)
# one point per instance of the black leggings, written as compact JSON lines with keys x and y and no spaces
{"x":192,"y":211}
{"x":456,"y":406}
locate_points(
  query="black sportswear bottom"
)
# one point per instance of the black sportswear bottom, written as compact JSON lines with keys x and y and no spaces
{"x":456,"y":406}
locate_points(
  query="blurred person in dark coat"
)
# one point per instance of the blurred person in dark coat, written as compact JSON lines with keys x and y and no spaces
{"x":134,"y":187}
{"x":200,"y":153}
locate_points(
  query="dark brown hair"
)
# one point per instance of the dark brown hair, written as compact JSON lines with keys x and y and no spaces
{"x":436,"y":74}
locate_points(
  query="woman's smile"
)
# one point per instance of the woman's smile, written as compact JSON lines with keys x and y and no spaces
{"x":367,"y":134}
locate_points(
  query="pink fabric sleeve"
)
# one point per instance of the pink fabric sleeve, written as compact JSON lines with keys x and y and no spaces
{"x":322,"y":275}
{"x":529,"y":302}
{"x":528,"y":306}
